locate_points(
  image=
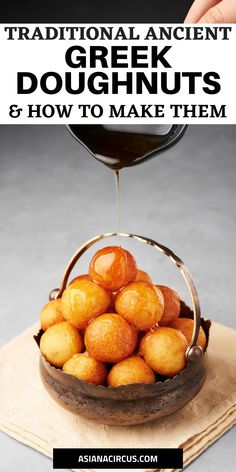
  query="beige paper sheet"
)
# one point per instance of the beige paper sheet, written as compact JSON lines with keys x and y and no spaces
{"x":30,"y":415}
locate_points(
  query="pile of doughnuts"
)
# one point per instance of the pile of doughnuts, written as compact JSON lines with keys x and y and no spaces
{"x":114,"y":327}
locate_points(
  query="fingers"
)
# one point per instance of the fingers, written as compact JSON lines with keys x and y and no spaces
{"x":198,"y":9}
{"x":223,"y":12}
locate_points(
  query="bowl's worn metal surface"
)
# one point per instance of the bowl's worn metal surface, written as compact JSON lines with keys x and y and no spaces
{"x":128,"y":404}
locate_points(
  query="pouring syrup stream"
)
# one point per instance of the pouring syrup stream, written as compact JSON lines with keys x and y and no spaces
{"x":117,"y":180}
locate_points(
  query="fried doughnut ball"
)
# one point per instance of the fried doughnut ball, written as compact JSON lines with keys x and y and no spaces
{"x":86,"y":368}
{"x":171,"y":305}
{"x":142,"y":277}
{"x":133,"y":369}
{"x":109,"y":338}
{"x":60,"y":342}
{"x":164,"y":351}
{"x":186,"y":326}
{"x":80,"y":277}
{"x":51,"y":314}
{"x":141,"y":304}
{"x":84,"y":300}
{"x":112,"y":267}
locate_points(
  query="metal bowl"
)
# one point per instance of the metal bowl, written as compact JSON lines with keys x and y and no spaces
{"x":134,"y":403}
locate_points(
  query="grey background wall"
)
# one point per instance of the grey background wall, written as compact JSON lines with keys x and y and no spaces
{"x":54,"y":196}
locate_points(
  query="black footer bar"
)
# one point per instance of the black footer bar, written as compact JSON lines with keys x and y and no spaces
{"x":116,"y":458}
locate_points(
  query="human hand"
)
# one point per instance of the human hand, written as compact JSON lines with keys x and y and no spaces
{"x":212,"y":11}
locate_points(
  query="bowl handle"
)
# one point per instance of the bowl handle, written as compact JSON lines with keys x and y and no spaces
{"x":193,"y":351}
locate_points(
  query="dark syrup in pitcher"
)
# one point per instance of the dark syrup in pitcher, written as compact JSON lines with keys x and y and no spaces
{"x":119,"y":146}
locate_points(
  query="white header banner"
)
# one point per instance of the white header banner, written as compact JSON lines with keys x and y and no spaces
{"x":113,"y":73}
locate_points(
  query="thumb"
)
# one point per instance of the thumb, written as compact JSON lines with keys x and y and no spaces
{"x":198,"y":9}
{"x":223,"y":12}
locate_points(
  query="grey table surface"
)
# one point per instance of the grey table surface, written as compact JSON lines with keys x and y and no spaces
{"x":53,"y":197}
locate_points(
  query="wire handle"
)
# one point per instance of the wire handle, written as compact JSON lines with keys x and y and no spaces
{"x":193,"y":351}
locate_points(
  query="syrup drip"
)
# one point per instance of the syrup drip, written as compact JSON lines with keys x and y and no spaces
{"x":117,"y":180}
